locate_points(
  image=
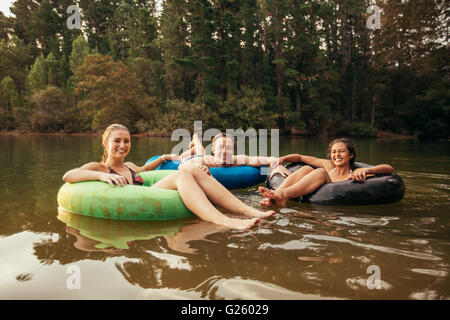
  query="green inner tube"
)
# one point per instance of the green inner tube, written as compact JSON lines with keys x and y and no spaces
{"x":99,"y":199}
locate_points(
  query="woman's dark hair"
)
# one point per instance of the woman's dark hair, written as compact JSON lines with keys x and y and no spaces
{"x":350,"y":146}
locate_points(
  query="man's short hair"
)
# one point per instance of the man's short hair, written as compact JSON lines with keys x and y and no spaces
{"x":222,"y":135}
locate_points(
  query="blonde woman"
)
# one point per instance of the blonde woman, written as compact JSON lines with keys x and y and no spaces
{"x":199,"y":192}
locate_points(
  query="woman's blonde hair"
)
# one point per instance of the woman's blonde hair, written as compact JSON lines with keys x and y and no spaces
{"x":105,"y":137}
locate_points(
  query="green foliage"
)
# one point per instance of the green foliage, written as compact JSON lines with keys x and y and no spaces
{"x":244,"y":110}
{"x":37,"y":77}
{"x":306,"y":65}
{"x":108,"y":93}
{"x":49,"y":110}
{"x":9,"y":96}
{"x":9,"y":102}
{"x":177,"y":114}
{"x":80,"y":50}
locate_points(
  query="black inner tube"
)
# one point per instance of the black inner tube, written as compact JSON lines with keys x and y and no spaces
{"x":379,"y":189}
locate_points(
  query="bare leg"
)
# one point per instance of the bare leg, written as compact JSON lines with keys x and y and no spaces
{"x":187,"y":153}
{"x":198,"y":146}
{"x":195,"y":200}
{"x":290,"y":180}
{"x":296,"y":176}
{"x":306,"y":185}
{"x":220,"y":196}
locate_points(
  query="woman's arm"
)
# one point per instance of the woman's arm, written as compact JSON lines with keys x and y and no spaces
{"x":281,"y":170}
{"x":360,"y":174}
{"x":93,"y":171}
{"x":253,"y":161}
{"x":312,"y":161}
{"x":156,"y":163}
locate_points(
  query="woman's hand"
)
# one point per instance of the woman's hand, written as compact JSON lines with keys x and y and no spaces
{"x":167,"y":157}
{"x":280,"y":170}
{"x":360,"y":174}
{"x":113,"y":179}
{"x":276,"y":162}
{"x":193,"y":164}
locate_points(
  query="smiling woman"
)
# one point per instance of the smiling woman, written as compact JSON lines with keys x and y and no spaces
{"x":339,"y":167}
{"x":199,"y":192}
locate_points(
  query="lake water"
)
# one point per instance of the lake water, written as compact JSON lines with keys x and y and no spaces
{"x":305,"y":251}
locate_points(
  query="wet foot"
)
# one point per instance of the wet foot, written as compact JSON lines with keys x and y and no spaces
{"x":273,"y":195}
{"x":253,"y":212}
{"x":240,"y":224}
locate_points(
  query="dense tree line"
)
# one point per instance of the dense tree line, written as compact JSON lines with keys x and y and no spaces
{"x":304,"y":66}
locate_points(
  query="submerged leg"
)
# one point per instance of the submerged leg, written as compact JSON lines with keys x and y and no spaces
{"x":306,"y":185}
{"x":196,"y":200}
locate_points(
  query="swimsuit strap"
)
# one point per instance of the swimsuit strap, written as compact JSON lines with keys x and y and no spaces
{"x":351,"y":171}
{"x":136,"y":181}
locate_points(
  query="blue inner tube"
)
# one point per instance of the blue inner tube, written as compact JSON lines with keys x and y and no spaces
{"x":380,"y":189}
{"x":230,"y":177}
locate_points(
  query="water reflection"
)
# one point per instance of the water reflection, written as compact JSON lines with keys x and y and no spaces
{"x":94,"y":234}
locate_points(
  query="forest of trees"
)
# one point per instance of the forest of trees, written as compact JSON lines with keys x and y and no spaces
{"x":303,"y":66}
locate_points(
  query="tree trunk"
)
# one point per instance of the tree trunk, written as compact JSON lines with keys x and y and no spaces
{"x":372,"y":118}
{"x":298,"y":101}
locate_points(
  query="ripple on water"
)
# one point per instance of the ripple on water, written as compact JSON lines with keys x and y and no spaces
{"x":411,"y":254}
{"x":282,"y":222}
{"x":292,"y":245}
{"x":427,"y":295}
{"x":288,"y":210}
{"x":359,"y":283}
{"x":418,"y":241}
{"x":248,"y":289}
{"x":172,"y":261}
{"x":431,"y":272}
{"x":353,"y":221}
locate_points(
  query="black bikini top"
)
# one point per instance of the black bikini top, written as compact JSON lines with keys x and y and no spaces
{"x":137,"y":180}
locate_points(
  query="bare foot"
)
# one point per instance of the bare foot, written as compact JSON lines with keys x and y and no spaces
{"x":240,"y":224}
{"x":253,"y":212}
{"x":267,"y":202}
{"x":274,"y":195}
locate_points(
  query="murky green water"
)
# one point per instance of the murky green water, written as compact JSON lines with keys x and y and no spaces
{"x":304,"y":251}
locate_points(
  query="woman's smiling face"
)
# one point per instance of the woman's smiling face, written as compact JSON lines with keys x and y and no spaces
{"x":340,"y":156}
{"x":119,"y":144}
